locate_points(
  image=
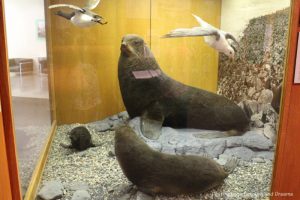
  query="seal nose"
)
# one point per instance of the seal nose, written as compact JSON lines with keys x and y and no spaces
{"x":124,"y":47}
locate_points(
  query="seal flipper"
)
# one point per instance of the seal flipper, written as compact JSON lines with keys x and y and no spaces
{"x":151,"y":122}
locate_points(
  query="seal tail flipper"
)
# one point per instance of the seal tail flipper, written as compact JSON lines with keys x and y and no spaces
{"x":151,"y":122}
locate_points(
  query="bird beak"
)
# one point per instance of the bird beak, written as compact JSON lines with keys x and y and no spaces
{"x":100,"y":21}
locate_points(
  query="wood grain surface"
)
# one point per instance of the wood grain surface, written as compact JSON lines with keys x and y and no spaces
{"x":286,"y":176}
{"x":6,"y":105}
{"x":84,"y":61}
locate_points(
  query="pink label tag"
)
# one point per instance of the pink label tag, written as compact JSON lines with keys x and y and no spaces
{"x":146,"y":74}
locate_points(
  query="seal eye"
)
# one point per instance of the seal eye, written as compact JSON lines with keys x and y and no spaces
{"x":136,"y":43}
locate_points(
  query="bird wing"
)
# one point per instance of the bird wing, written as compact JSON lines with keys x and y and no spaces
{"x":92,"y":4}
{"x":204,"y":24}
{"x":68,"y":6}
{"x":231,"y":37}
{"x":191,"y":32}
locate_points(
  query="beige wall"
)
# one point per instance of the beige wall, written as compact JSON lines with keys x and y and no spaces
{"x":237,"y":13}
{"x":189,"y":60}
{"x":84,"y":62}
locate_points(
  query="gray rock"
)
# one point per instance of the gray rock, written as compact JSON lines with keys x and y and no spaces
{"x":143,"y":196}
{"x":258,"y":85}
{"x":114,"y":117}
{"x":188,"y":150}
{"x":100,"y":126}
{"x":223,"y":158}
{"x":51,"y":190}
{"x":240,"y":152}
{"x":98,"y":192}
{"x":120,"y":192}
{"x":251,"y":91}
{"x":168,"y":150}
{"x":236,"y":141}
{"x":256,"y":140}
{"x":169,"y":131}
{"x":123,"y":115}
{"x":258,"y":124}
{"x":81,"y":195}
{"x":256,"y":117}
{"x":270,"y":132}
{"x":215,"y":147}
{"x":265,"y":97}
{"x":250,"y":107}
{"x":268,"y":155}
{"x":258,"y":160}
{"x":173,"y":141}
{"x":270,"y":113}
{"x":77,"y":186}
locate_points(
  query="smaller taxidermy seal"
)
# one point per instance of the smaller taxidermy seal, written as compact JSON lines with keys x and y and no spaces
{"x":154,"y":172}
{"x":80,"y":139}
{"x":81,"y":17}
{"x":160,"y":100}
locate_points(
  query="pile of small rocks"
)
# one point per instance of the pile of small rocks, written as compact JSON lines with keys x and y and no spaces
{"x":251,"y":146}
{"x":259,"y":64}
{"x":95,"y":173}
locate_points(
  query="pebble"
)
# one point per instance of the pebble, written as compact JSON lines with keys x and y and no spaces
{"x":105,"y":179}
{"x":51,"y":190}
{"x":77,"y":186}
{"x":81,"y":195}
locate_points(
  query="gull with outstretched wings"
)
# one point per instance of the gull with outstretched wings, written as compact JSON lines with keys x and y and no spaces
{"x":82,"y":17}
{"x":213,"y":36}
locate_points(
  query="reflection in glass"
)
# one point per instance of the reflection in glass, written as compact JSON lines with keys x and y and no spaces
{"x":28,"y":81}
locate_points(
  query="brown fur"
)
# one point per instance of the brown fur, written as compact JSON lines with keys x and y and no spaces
{"x":159,"y":173}
{"x":81,"y":138}
{"x":180,"y":105}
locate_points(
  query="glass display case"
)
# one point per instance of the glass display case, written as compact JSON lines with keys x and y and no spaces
{"x":146,"y":99}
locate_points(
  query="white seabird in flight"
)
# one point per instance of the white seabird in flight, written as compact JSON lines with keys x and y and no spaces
{"x":213,"y":36}
{"x":82,"y":17}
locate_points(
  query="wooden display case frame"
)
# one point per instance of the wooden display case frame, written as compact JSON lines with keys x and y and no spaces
{"x":286,"y":173}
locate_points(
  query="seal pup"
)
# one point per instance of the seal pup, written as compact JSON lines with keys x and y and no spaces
{"x":81,"y":17}
{"x":80,"y":139}
{"x":160,"y":100}
{"x":214,"y":37}
{"x":154,"y":172}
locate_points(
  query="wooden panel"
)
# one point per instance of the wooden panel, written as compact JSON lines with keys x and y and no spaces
{"x":5,"y":189}
{"x":5,"y":95}
{"x":286,"y":177}
{"x":189,"y":60}
{"x":85,"y":60}
{"x":50,"y":63}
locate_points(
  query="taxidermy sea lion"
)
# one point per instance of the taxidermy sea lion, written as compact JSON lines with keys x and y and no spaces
{"x":154,"y":172}
{"x":148,"y":92}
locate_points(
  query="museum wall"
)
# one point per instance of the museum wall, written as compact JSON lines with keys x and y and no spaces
{"x":246,"y":10}
{"x":84,"y":61}
{"x":21,"y":22}
{"x":189,"y":60}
